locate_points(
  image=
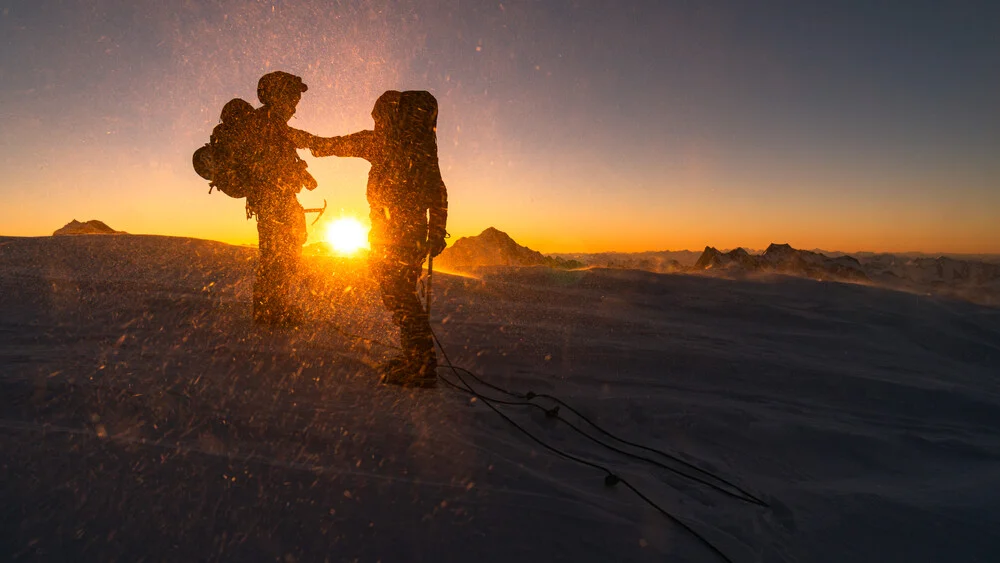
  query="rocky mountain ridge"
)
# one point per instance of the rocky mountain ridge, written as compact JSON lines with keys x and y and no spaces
{"x":494,"y":247}
{"x":783,"y":259}
{"x":92,"y":227}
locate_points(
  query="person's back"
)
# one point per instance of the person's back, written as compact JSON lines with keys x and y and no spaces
{"x":404,"y":182}
{"x":423,"y":189}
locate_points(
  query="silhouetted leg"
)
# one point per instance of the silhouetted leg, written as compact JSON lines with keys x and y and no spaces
{"x":398,"y":284}
{"x":281,"y":232}
{"x":264,"y":299}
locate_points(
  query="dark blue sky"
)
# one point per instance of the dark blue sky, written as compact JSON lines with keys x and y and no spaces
{"x":573,"y":125}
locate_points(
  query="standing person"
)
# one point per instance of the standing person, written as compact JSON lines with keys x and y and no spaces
{"x":279,"y":174}
{"x":409,"y":210}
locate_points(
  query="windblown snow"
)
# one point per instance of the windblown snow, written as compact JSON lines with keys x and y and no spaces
{"x":144,"y":417}
{"x":975,"y":278}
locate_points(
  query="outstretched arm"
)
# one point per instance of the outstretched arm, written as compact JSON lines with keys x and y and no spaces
{"x":359,"y":145}
{"x":302,"y":139}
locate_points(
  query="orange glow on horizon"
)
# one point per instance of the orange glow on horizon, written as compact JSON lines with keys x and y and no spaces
{"x":179,"y":205}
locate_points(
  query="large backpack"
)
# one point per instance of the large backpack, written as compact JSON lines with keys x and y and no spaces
{"x":223,"y":160}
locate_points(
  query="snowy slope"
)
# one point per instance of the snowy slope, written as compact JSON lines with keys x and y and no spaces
{"x":664,"y":261}
{"x":142,"y":416}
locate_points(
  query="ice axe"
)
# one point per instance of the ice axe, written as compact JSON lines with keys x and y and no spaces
{"x":319,"y":210}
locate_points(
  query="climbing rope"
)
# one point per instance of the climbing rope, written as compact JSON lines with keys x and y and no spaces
{"x":610,"y":478}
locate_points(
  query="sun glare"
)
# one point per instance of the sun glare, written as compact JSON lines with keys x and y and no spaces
{"x":347,"y":236}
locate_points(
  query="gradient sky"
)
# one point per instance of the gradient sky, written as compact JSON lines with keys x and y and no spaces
{"x":572,"y":125}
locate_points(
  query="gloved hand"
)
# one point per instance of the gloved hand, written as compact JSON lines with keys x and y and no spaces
{"x":306,"y":179}
{"x":437,"y":218}
{"x":310,"y":183}
{"x":436,"y":244}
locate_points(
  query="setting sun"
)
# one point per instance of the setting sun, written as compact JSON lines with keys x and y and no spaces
{"x":347,"y":235}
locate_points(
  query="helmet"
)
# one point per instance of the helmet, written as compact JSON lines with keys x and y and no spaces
{"x":276,"y":86}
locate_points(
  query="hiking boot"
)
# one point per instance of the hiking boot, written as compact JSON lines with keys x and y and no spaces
{"x":393,"y":364}
{"x":407,"y":373}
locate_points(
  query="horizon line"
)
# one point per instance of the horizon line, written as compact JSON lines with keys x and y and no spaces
{"x":707,"y":246}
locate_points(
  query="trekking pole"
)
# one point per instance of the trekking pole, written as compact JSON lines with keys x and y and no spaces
{"x":430,"y":278}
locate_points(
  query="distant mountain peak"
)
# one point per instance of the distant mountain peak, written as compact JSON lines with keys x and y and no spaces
{"x":712,"y":259}
{"x":493,"y":247}
{"x":92,"y":227}
{"x":775,"y":248}
{"x":495,"y":234}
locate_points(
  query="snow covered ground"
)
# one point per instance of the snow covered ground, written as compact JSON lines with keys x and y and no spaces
{"x":142,"y":417}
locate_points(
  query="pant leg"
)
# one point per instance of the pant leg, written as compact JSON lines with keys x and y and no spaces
{"x":266,"y":278}
{"x":398,"y":271}
{"x":281,"y":233}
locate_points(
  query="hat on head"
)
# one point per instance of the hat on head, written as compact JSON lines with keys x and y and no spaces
{"x":278,"y":85}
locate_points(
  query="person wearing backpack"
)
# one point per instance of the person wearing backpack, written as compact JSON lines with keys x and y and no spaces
{"x":409,"y":210}
{"x":278,"y":174}
{"x":252,"y":154}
